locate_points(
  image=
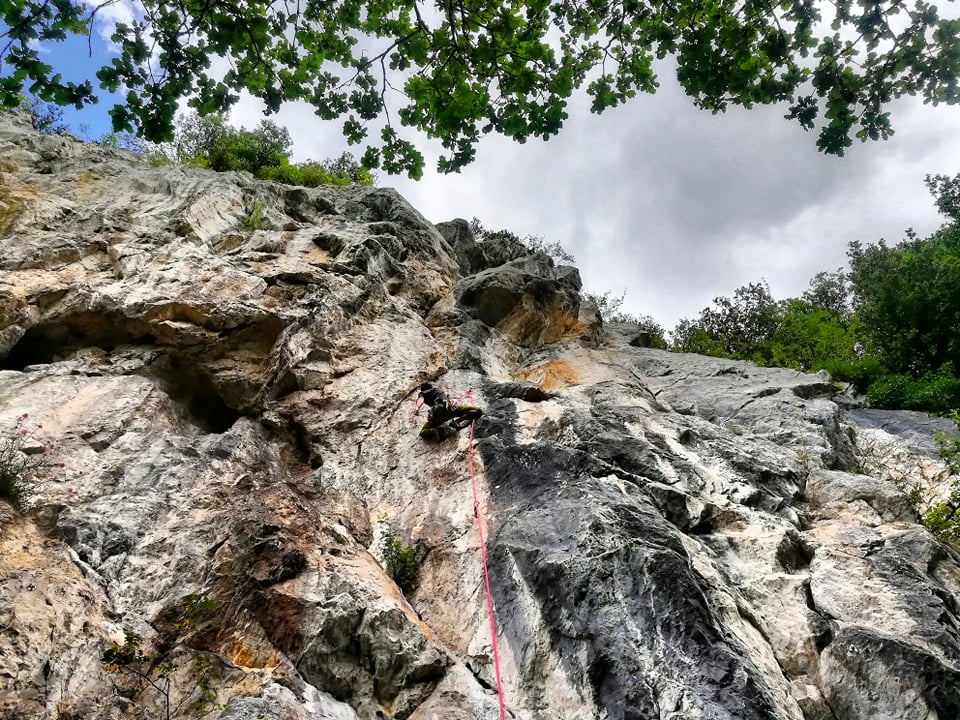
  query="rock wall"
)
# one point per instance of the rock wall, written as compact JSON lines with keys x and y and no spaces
{"x":228,"y":369}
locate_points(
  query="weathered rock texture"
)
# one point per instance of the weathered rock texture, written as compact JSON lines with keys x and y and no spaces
{"x":669,"y":536}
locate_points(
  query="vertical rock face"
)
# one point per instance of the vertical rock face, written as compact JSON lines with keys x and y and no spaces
{"x":668,"y":536}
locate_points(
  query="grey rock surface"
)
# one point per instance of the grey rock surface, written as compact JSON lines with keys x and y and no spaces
{"x":668,"y":536}
{"x":916,"y":429}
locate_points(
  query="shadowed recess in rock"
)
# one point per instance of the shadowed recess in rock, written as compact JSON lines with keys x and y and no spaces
{"x":47,"y":342}
{"x":190,"y":387}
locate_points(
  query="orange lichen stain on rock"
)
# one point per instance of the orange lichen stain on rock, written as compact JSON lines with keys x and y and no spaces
{"x":551,"y":375}
{"x":84,"y":182}
{"x":9,"y":206}
{"x":244,"y":655}
{"x":314,"y":255}
{"x":6,"y":165}
{"x":578,"y":329}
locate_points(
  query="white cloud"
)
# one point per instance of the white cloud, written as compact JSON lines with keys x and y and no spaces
{"x":109,"y":15}
{"x":678,"y":206}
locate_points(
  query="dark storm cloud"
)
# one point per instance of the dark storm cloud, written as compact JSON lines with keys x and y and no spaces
{"x":677,"y":206}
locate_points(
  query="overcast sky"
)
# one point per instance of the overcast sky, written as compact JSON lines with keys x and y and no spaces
{"x":675,"y":205}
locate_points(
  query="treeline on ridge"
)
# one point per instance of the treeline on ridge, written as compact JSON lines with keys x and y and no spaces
{"x":890,"y":325}
{"x":211,"y":142}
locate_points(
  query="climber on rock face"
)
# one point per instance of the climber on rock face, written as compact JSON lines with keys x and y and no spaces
{"x":446,"y":418}
{"x":432,"y":395}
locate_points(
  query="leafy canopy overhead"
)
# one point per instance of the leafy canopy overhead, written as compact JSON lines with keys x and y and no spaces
{"x":459,"y":69}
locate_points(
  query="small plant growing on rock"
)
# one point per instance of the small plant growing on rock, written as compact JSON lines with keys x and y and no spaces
{"x":533,"y":243}
{"x":400,"y":561}
{"x":22,"y":466}
{"x":949,"y":445}
{"x":609,"y":307}
{"x":155,"y":670}
{"x":942,"y":518}
{"x":255,"y":220}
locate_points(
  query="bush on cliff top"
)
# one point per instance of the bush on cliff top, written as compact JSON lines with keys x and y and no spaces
{"x":264,"y":151}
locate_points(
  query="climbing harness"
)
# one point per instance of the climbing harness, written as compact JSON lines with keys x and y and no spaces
{"x":486,"y":575}
{"x":447,"y":418}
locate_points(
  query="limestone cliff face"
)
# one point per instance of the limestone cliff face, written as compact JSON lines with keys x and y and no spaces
{"x":228,"y":368}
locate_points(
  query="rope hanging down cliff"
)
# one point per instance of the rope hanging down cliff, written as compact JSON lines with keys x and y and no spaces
{"x":486,"y":575}
{"x":445,"y":419}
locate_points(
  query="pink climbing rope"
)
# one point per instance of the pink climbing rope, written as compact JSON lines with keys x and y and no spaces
{"x":486,"y":576}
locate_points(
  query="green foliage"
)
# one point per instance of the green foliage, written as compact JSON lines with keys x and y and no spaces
{"x":949,"y":445}
{"x":898,"y":341}
{"x":861,"y":372}
{"x":946,"y":192}
{"x":195,"y":607}
{"x":737,"y":327}
{"x":469,"y":69}
{"x":47,"y":118}
{"x":157,"y":159}
{"x":689,"y":337}
{"x":810,"y":339}
{"x":155,"y":670}
{"x":829,"y":292}
{"x":400,"y":561}
{"x":932,"y":391}
{"x":941,"y":517}
{"x":254,"y":221}
{"x":124,"y":141}
{"x":891,"y":327}
{"x":20,"y":470}
{"x":345,"y":170}
{"x":907,"y":300}
{"x":210,"y":142}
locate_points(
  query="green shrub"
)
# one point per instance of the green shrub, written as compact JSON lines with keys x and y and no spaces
{"x":155,"y":670}
{"x":861,"y":373}
{"x":942,"y":518}
{"x":47,"y":118}
{"x":344,"y":170}
{"x":949,"y":445}
{"x":400,"y":561}
{"x":688,"y":337}
{"x":908,"y":299}
{"x":284,"y":173}
{"x":254,"y":221}
{"x":249,"y":150}
{"x":157,"y":159}
{"x":264,"y":151}
{"x":20,"y":471}
{"x":937,"y":391}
